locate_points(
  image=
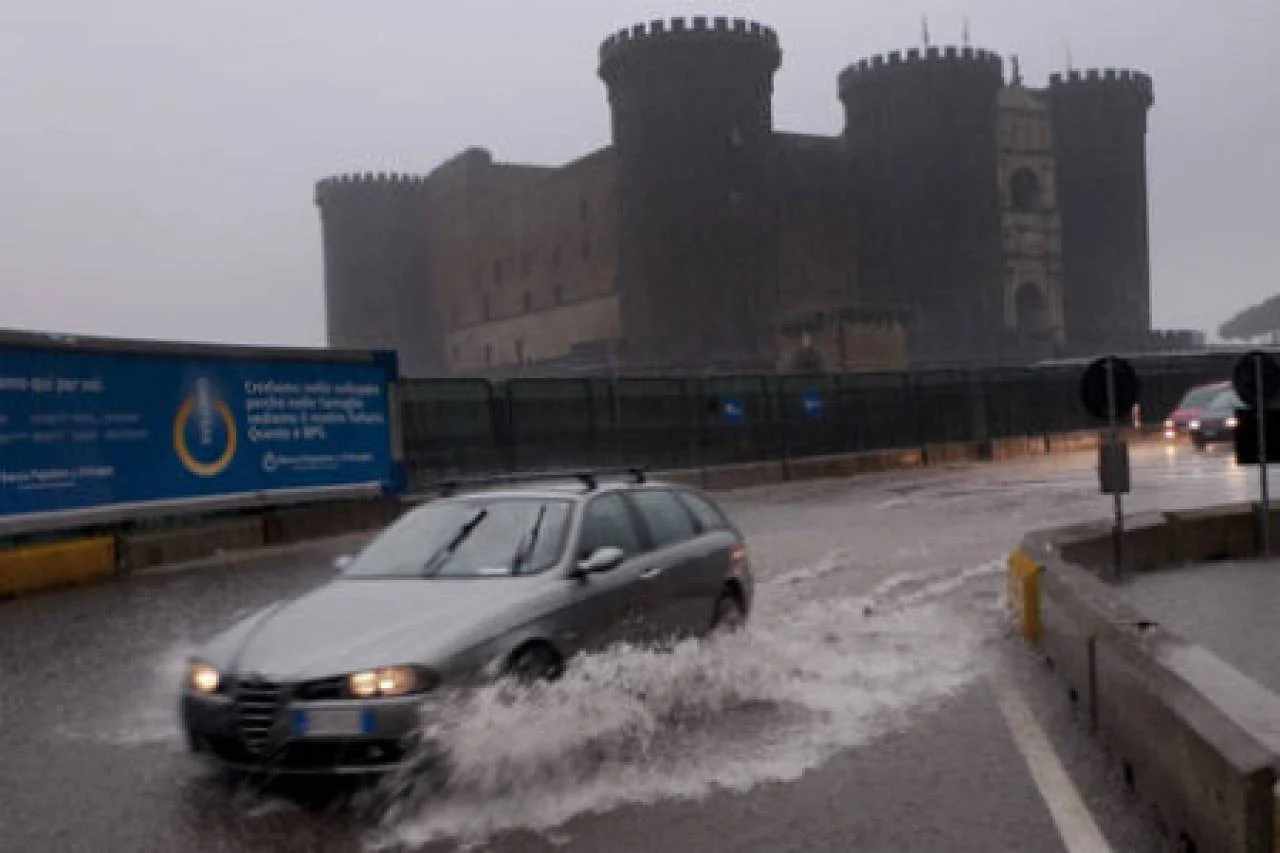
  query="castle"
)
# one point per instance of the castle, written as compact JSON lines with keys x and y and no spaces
{"x":959,"y":218}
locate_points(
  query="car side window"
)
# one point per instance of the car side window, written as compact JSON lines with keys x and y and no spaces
{"x":709,"y":518}
{"x":607,"y":522}
{"x":668,"y":521}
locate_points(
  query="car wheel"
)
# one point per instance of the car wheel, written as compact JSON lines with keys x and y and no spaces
{"x":537,"y":662}
{"x":730,"y":615}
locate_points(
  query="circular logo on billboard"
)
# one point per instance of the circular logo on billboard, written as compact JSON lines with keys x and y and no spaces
{"x":204,"y":432}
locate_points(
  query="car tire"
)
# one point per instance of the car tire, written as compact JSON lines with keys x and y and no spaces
{"x":536,"y":662}
{"x":729,"y":615}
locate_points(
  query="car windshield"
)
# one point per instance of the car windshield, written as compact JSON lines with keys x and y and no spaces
{"x":474,"y":537}
{"x":1198,"y":398}
{"x":1225,"y":403}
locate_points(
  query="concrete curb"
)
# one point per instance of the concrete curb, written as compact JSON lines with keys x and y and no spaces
{"x":931,"y":454}
{"x":1197,"y":739}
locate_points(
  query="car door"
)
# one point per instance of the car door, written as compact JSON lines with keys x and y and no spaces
{"x":717,"y":541}
{"x":675,"y":581}
{"x":611,"y":606}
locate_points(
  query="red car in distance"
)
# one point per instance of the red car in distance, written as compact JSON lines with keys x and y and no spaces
{"x":1185,"y":418}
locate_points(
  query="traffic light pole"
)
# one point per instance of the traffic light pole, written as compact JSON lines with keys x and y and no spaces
{"x":1117,"y":530}
{"x":1261,"y":406}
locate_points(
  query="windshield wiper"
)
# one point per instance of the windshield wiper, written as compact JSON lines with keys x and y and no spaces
{"x":524,"y":549}
{"x":434,"y":563}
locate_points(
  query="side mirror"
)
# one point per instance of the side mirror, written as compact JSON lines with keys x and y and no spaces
{"x":341,"y":561}
{"x":602,"y":560}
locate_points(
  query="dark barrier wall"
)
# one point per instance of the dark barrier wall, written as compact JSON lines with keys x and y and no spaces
{"x":93,"y":424}
{"x":473,"y":426}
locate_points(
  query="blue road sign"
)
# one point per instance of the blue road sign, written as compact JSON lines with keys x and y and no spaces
{"x":733,"y":411}
{"x":813,"y":404}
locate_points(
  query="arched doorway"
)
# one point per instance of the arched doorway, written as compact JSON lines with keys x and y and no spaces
{"x":1032,"y":310}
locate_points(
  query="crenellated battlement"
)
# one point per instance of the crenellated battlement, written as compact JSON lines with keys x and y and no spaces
{"x":367,"y":182}
{"x":897,"y":61}
{"x":1105,"y":79}
{"x":698,"y":29}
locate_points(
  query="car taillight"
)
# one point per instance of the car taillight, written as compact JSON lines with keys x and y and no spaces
{"x":737,"y":560}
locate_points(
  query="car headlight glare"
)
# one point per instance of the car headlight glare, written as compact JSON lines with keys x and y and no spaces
{"x":1232,"y":422}
{"x":1193,"y":426}
{"x":386,"y":681}
{"x":203,"y":678}
{"x":1169,"y":424}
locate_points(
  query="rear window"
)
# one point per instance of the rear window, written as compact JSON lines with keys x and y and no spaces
{"x":668,"y":521}
{"x":709,"y":518}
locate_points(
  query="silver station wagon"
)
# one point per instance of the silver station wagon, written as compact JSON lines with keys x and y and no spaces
{"x":512,"y":580}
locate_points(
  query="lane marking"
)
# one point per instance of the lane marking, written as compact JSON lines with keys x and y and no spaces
{"x":1075,"y":823}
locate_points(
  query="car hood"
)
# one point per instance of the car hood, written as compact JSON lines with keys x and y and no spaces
{"x":1182,"y":416}
{"x":353,"y":624}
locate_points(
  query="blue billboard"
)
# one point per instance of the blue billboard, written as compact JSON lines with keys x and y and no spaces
{"x":87,"y":428}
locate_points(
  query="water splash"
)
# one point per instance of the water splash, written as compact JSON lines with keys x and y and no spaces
{"x":806,"y":679}
{"x":147,"y":714}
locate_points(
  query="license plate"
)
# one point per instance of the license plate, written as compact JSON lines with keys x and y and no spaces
{"x":328,"y":722}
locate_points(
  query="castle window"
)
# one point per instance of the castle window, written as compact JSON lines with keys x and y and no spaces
{"x":519,"y":350}
{"x":485,"y":307}
{"x":1024,"y":190}
{"x":488,"y":354}
{"x":528,"y":302}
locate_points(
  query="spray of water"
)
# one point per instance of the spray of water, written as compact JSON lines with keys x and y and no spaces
{"x":806,"y":679}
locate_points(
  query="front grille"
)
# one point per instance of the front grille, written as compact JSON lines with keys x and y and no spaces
{"x":324,"y":688}
{"x":257,"y":706}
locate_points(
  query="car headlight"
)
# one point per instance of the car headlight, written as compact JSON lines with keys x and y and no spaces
{"x":389,"y":681}
{"x":1169,"y":424}
{"x":203,"y":678}
{"x":1232,"y":422}
{"x":1193,"y":426}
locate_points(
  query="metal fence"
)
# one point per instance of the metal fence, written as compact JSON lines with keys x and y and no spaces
{"x":467,"y":426}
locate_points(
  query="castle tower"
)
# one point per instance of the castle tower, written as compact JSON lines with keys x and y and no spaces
{"x":693,"y":133}
{"x":1100,"y":127}
{"x":377,"y":292}
{"x":921,"y":129}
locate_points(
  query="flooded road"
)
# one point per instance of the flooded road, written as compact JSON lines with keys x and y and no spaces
{"x":864,"y":708}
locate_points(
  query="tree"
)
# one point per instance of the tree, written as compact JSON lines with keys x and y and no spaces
{"x":1254,"y":320}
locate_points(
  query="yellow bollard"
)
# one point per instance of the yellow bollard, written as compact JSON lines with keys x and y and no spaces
{"x":1024,"y":593}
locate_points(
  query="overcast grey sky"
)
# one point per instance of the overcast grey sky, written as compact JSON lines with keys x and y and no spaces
{"x":159,"y":156}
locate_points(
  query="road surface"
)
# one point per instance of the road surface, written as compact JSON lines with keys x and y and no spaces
{"x":878,"y":700}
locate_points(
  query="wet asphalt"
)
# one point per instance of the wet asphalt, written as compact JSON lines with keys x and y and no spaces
{"x":91,"y":757}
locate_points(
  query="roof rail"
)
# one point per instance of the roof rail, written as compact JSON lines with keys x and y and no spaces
{"x":589,"y":477}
